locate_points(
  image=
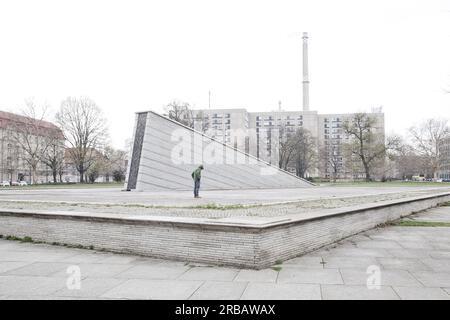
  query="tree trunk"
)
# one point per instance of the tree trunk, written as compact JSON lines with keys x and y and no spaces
{"x":33,"y":174}
{"x":81,"y":171}
{"x":55,"y":174}
{"x":366,"y":168}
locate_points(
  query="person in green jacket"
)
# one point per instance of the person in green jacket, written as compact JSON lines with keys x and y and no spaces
{"x":197,"y":175}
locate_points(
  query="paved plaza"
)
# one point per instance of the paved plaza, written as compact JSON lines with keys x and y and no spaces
{"x":222,"y":197}
{"x":413,"y":263}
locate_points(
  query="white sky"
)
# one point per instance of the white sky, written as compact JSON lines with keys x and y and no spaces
{"x":137,"y":55}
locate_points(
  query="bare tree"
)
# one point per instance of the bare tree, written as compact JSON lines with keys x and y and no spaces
{"x":408,"y":162}
{"x":202,"y":121}
{"x":286,"y":147}
{"x":53,"y":158}
{"x":304,"y":155}
{"x":367,"y":145}
{"x":180,"y":112}
{"x":428,"y":138}
{"x":331,"y":160}
{"x":114,"y":163}
{"x":12,"y":160}
{"x":33,"y":135}
{"x":85,"y":130}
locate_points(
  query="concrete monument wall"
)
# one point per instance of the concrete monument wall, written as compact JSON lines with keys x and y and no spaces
{"x":166,"y":152}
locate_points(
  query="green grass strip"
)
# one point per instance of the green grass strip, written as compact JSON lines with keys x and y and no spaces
{"x":418,"y":223}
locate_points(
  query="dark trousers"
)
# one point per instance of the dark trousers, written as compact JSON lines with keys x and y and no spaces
{"x":196,"y":187}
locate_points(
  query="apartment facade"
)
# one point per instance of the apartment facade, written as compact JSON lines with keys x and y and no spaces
{"x":13,"y":164}
{"x":258,"y":133}
{"x":444,"y":170}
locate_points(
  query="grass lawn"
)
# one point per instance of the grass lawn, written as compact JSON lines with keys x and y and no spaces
{"x":418,"y":223}
{"x":386,"y":184}
{"x":66,"y":186}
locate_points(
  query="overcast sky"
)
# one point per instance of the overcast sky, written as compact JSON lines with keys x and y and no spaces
{"x":139,"y":55}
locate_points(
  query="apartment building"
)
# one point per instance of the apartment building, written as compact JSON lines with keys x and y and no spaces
{"x":13,"y":164}
{"x":258,"y":134}
{"x":444,"y":170}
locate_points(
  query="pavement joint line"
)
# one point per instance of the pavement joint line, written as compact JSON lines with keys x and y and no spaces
{"x":185,"y":271}
{"x":342,"y":278}
{"x":417,"y":279}
{"x":278,"y":275}
{"x":396,"y":293}
{"x":245,"y":288}
{"x":198,"y":288}
{"x":235,"y":276}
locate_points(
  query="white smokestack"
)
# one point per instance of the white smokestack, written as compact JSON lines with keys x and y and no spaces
{"x":305,"y":73}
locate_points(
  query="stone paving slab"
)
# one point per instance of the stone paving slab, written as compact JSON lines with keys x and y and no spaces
{"x":90,"y":288}
{"x":30,"y":285}
{"x":408,"y":293}
{"x":388,"y":277}
{"x":349,"y":262}
{"x":403,"y":264}
{"x":267,"y":291}
{"x":433,"y":279}
{"x":440,"y":214}
{"x":210,"y":273}
{"x":355,"y":252}
{"x":439,"y":254}
{"x":384,"y":244}
{"x":305,"y":262}
{"x":11,"y":265}
{"x":153,"y":289}
{"x":90,"y":257}
{"x":354,"y":292}
{"x":439,"y":265}
{"x":312,"y":276}
{"x":219,"y":290}
{"x":265,"y":275}
{"x":39,"y":269}
{"x":38,"y":256}
{"x":96,"y":270}
{"x":163,"y":272}
{"x":409,"y":253}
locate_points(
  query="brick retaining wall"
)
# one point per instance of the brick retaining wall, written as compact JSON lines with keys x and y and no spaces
{"x":243,"y":245}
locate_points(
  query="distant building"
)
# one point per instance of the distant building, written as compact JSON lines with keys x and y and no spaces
{"x":13,"y":164}
{"x":253,"y":132}
{"x":71,"y":173}
{"x":444,"y":170}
